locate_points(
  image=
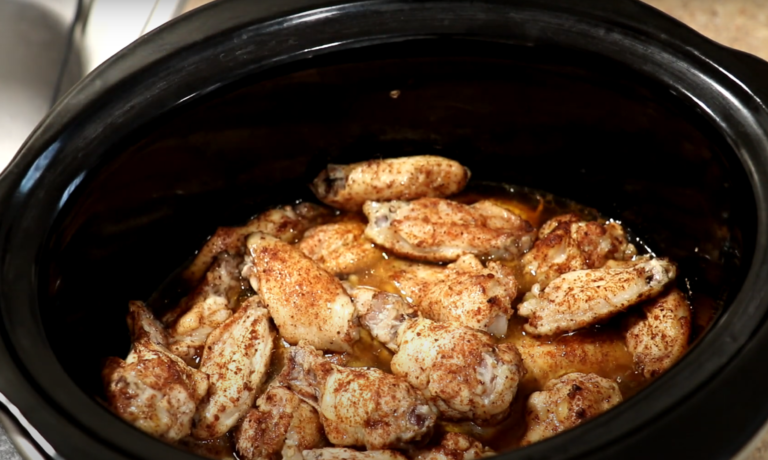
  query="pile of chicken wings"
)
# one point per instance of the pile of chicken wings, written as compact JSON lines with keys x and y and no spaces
{"x":207,"y":367}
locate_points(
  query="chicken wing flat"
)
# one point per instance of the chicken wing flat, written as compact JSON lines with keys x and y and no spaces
{"x":305,"y":301}
{"x":207,"y":307}
{"x":340,"y":248}
{"x":236,"y":359}
{"x":566,"y":244}
{"x":585,"y":297}
{"x":567,"y":402}
{"x":143,"y":324}
{"x":281,"y":427}
{"x":343,"y":453}
{"x":348,"y":187}
{"x":546,"y":360}
{"x":460,"y":370}
{"x":439,"y":230}
{"x":456,"y":446}
{"x":287,"y":223}
{"x":659,"y":336}
{"x":358,"y":407}
{"x":152,"y":389}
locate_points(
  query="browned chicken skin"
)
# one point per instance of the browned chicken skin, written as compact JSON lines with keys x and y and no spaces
{"x":153,"y":389}
{"x":340,"y":248}
{"x":566,"y":402}
{"x":658,"y":336}
{"x":566,"y":243}
{"x":206,"y":308}
{"x":358,"y":407}
{"x":458,"y":369}
{"x":348,"y":187}
{"x":236,"y":359}
{"x":287,"y":223}
{"x":464,"y":292}
{"x":455,"y":446}
{"x":343,"y":453}
{"x":439,"y":230}
{"x":305,"y":301}
{"x":585,"y":297}
{"x":281,"y":427}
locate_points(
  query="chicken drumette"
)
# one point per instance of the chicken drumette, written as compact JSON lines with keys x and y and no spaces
{"x":305,"y":301}
{"x":282,"y":426}
{"x":287,"y":223}
{"x":458,"y":369}
{"x":358,"y":407}
{"x":658,"y":336}
{"x":439,"y":230}
{"x":585,"y":297}
{"x":206,"y":308}
{"x":566,"y":243}
{"x":566,"y":402}
{"x":348,"y":187}
{"x":455,"y":446}
{"x":236,"y":359}
{"x":464,"y":292}
{"x":153,"y":389}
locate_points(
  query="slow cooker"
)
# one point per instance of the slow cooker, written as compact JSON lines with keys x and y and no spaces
{"x":234,"y":107}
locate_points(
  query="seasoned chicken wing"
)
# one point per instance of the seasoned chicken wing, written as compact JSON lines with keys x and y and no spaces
{"x":566,"y":244}
{"x":305,"y":301}
{"x":550,"y":359}
{"x":343,"y":453}
{"x":567,"y":402}
{"x":152,"y":389}
{"x":207,"y":307}
{"x":281,"y":427}
{"x":456,"y":446}
{"x":659,"y":336}
{"x":236,"y":359}
{"x":439,"y":230}
{"x":464,"y":292}
{"x":287,"y":223}
{"x":339,"y":248}
{"x":348,"y":187}
{"x":358,"y":407}
{"x":458,"y":369}
{"x":585,"y":297}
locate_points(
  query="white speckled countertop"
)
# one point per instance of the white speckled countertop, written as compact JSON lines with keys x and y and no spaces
{"x":741,"y":24}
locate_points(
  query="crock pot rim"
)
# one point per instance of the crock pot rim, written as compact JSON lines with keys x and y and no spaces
{"x":50,"y":138}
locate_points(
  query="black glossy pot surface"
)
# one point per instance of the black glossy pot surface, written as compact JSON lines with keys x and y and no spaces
{"x":236,"y":107}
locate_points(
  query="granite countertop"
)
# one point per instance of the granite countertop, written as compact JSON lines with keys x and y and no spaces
{"x":741,"y":24}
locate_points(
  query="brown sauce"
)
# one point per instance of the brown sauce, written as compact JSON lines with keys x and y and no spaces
{"x":600,"y":349}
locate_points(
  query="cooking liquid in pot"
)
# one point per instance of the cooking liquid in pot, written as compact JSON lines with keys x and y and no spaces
{"x":604,"y":340}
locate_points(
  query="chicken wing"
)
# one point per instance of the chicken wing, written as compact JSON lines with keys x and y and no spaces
{"x":464,"y":292}
{"x":342,"y":453}
{"x":305,"y":301}
{"x":567,"y":402}
{"x":546,"y":360}
{"x":207,"y":307}
{"x":281,"y":427}
{"x":348,"y":187}
{"x":153,"y":389}
{"x":585,"y":297}
{"x":358,"y":407}
{"x":460,"y":370}
{"x":659,"y":337}
{"x":566,"y":244}
{"x":455,"y":446}
{"x":287,"y":223}
{"x":439,"y":230}
{"x":236,"y":359}
{"x":339,"y":248}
